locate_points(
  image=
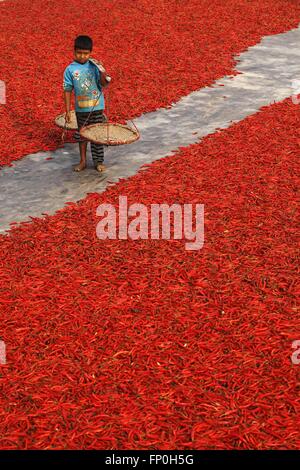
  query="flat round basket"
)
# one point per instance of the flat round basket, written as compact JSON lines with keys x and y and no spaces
{"x":60,"y":121}
{"x":110,"y":134}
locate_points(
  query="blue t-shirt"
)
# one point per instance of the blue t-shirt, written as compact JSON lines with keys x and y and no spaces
{"x":85,"y":80}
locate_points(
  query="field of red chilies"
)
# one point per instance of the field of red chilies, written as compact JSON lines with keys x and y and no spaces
{"x":142,"y":344}
{"x":122,"y":344}
{"x":155,"y":51}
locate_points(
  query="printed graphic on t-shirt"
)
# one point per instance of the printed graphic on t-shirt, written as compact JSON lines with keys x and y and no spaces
{"x":85,"y":80}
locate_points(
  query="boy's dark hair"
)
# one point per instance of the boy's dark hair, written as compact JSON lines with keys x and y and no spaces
{"x":83,"y":42}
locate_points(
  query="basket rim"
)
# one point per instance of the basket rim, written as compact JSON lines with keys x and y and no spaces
{"x":64,"y":126}
{"x":134,"y":132}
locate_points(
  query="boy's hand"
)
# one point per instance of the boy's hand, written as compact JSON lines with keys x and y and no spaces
{"x":104,"y":79}
{"x":68,"y":116}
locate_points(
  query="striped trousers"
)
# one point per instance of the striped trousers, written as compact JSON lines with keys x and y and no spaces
{"x":97,"y":150}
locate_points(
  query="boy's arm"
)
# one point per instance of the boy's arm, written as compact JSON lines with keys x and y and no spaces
{"x":103,"y":80}
{"x":101,"y":75}
{"x":68,"y":87}
{"x":67,"y":97}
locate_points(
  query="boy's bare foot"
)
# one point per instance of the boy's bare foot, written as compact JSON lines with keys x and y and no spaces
{"x":100,"y":168}
{"x":80,"y":167}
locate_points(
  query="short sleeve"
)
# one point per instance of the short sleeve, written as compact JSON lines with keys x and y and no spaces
{"x":68,"y":80}
{"x":98,"y":74}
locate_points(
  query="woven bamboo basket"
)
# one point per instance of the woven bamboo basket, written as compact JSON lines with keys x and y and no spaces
{"x":60,"y":121}
{"x":110,"y":133}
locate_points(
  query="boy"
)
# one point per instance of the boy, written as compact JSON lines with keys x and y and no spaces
{"x":87,"y":81}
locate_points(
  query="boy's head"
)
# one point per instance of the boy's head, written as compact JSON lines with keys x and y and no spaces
{"x":83,"y":47}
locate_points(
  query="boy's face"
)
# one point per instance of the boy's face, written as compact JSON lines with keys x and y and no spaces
{"x":82,"y":55}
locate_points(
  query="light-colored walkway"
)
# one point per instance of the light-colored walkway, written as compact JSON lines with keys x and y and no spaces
{"x":35,"y":185}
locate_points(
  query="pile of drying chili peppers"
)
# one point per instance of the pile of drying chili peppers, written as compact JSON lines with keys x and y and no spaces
{"x":156,"y":52}
{"x":123,"y":344}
